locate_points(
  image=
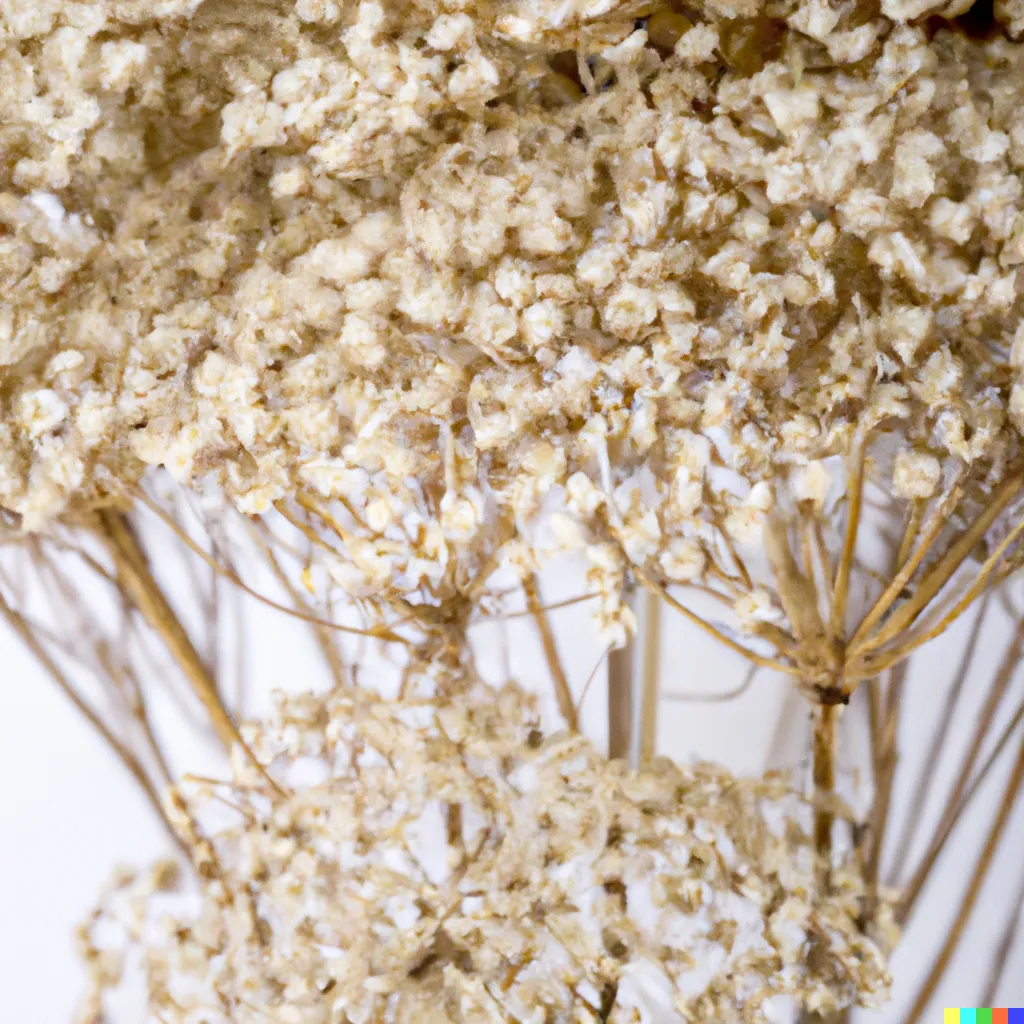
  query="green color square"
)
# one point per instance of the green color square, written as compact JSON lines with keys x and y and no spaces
{"x":983,"y":1016}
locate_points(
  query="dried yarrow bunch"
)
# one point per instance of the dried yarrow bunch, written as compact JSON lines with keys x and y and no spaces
{"x":452,"y":289}
{"x":436,"y":289}
{"x":442,"y":862}
{"x":427,"y":274}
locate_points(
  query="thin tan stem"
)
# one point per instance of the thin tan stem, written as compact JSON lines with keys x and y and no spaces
{"x":146,"y":725}
{"x":590,"y":680}
{"x":124,"y":755}
{"x":325,"y":517}
{"x":941,"y":572}
{"x":885,"y":759}
{"x":620,"y":701}
{"x":730,"y":583}
{"x":821,"y":553}
{"x":973,"y":591}
{"x":737,"y":561}
{"x":85,"y":557}
{"x":757,"y":659}
{"x":324,"y":637}
{"x":919,"y":800}
{"x":909,"y":563}
{"x":142,"y":590}
{"x":714,"y":698}
{"x":823,"y":755}
{"x":553,"y":607}
{"x":873,"y":692}
{"x":841,"y":589}
{"x":980,"y":776}
{"x":1000,"y":683}
{"x":144,"y":593}
{"x":797,"y":592}
{"x":730,"y":547}
{"x":911,"y":531}
{"x":1013,"y":928}
{"x":305,"y":529}
{"x":970,"y":898}
{"x":651,"y":678}
{"x":376,"y":633}
{"x":818,"y":563}
{"x":563,"y":692}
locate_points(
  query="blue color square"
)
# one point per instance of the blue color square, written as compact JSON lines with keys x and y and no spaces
{"x":1015,"y":1015}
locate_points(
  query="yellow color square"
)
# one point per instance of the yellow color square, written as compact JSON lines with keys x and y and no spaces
{"x":951,"y":1015}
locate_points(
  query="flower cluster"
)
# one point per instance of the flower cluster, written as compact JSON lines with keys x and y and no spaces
{"x":439,"y":863}
{"x":481,"y":282}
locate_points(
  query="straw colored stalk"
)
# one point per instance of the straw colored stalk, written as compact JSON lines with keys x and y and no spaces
{"x":826,"y":655}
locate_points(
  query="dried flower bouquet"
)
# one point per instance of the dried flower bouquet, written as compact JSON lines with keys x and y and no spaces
{"x":709,"y":296}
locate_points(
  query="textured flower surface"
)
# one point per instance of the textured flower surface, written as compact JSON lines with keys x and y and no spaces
{"x":448,"y":862}
{"x":445,"y":269}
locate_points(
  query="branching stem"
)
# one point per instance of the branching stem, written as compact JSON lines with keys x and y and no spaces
{"x":143,"y":592}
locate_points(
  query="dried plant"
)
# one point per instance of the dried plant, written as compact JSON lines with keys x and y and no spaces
{"x":449,"y":862}
{"x":428,"y":293}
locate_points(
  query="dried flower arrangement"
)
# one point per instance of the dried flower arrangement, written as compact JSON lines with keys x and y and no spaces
{"x":450,"y":863}
{"x":708,"y":295}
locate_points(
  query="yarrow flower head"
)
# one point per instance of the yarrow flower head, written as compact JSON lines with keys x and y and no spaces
{"x":449,"y":862}
{"x":443,"y":270}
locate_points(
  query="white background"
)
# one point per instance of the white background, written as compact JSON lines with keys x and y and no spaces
{"x":70,"y":812}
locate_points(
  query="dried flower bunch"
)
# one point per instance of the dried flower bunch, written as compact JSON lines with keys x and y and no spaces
{"x":447,"y":862}
{"x":436,"y":269}
{"x":450,"y":286}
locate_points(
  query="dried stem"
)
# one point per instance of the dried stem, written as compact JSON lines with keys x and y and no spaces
{"x":590,"y":679}
{"x":919,"y":799}
{"x":563,"y":693}
{"x":651,"y":677}
{"x":620,"y":700}
{"x":913,"y":526}
{"x":986,"y":572}
{"x":141,"y":590}
{"x":823,"y":755}
{"x":942,"y":571}
{"x":1000,"y":683}
{"x":874,"y":694}
{"x":325,"y":637}
{"x":909,"y":561}
{"x":127,"y":758}
{"x":378,"y":633}
{"x":885,"y":757}
{"x":840,"y":593}
{"x":797,"y":592}
{"x":757,"y":659}
{"x":978,"y":876}
{"x":553,"y":607}
{"x":714,"y":698}
{"x":982,"y":774}
{"x":1012,"y":929}
{"x":305,"y":529}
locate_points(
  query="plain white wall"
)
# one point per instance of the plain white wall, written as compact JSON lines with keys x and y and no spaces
{"x":70,"y":812}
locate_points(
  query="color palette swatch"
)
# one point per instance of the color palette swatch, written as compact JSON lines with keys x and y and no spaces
{"x":973,"y":1015}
